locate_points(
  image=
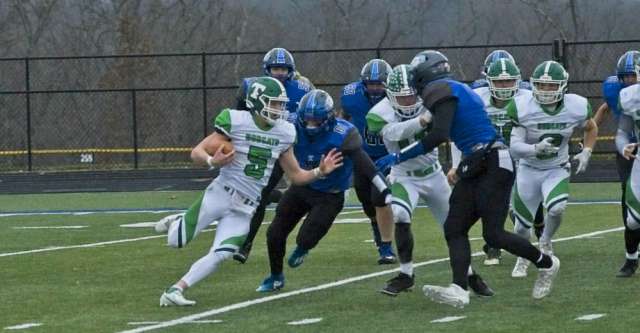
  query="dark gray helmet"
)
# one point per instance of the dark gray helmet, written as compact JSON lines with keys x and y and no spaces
{"x":428,"y":66}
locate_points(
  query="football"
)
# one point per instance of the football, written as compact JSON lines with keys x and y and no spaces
{"x":227,"y":146}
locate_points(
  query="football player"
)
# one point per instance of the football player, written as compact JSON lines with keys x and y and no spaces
{"x":319,"y":133}
{"x":544,"y":120}
{"x":357,"y":99}
{"x":486,"y":177}
{"x":277,"y":63}
{"x":261,"y":140}
{"x":626,"y":76}
{"x":401,"y":120}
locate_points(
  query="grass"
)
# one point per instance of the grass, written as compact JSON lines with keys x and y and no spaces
{"x":102,"y":289}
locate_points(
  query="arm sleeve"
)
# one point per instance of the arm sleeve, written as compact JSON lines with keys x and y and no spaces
{"x":518,"y":148}
{"x":443,"y":113}
{"x":403,"y":130}
{"x":456,"y":155}
{"x":625,"y":128}
{"x":362,"y":164}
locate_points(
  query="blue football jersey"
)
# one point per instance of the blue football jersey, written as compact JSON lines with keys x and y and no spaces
{"x":356,"y":104}
{"x":471,"y":124}
{"x":309,"y":153}
{"x":611,"y":93}
{"x":295,"y":90}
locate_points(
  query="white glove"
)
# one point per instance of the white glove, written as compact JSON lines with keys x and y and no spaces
{"x":425,"y":118}
{"x":628,"y":150}
{"x":546,"y":147}
{"x":583,"y":160}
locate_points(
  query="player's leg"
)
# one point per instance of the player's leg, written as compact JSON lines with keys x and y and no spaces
{"x":292,"y":207}
{"x":632,"y":225}
{"x":405,"y":199}
{"x":631,"y":237}
{"x":324,"y":209}
{"x":365,"y":193}
{"x":204,"y":211}
{"x":266,"y":198}
{"x":555,"y":190}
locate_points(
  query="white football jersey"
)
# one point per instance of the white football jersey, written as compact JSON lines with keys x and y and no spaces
{"x":386,"y":114}
{"x":630,"y":104}
{"x":257,"y":150}
{"x":557,"y":124}
{"x":498,"y":116}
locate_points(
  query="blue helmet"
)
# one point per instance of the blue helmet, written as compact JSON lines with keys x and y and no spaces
{"x":494,"y":56}
{"x":627,"y":64}
{"x":375,"y":71}
{"x":316,"y":105}
{"x":279,"y":57}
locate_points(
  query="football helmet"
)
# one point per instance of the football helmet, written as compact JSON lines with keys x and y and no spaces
{"x":317,"y":106}
{"x":503,"y":70}
{"x":279,"y":57}
{"x":549,"y":72}
{"x":429,"y":66}
{"x":494,"y":56}
{"x":628,"y":64}
{"x":375,"y":72}
{"x":267,"y":98}
{"x":399,"y":86}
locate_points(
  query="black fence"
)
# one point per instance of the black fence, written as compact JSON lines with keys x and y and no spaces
{"x":146,"y":111}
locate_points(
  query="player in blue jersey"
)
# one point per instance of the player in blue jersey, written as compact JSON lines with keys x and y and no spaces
{"x":279,"y":64}
{"x":485,"y":177}
{"x":319,"y":132}
{"x":357,"y":99}
{"x":611,"y":87}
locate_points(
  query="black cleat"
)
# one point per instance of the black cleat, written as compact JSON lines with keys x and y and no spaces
{"x":628,"y":269}
{"x":398,"y":284}
{"x":243,"y":253}
{"x":479,"y":287}
{"x":493,"y":256}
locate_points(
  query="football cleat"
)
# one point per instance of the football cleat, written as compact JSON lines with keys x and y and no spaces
{"x":163,"y":225}
{"x":493,"y":256}
{"x":400,"y":283}
{"x":386,"y":255}
{"x":271,"y":283}
{"x":452,"y":295}
{"x":243,"y":253}
{"x":628,"y":269}
{"x":546,"y":247}
{"x":297,"y":257}
{"x":479,"y":287}
{"x":544,"y":282}
{"x":520,"y":269}
{"x":173,"y":297}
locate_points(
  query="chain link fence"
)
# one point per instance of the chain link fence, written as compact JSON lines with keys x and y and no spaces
{"x":146,"y":111}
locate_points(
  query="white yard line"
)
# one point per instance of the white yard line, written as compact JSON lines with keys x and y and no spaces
{"x":266,"y":299}
{"x":23,"y":326}
{"x":54,"y":227}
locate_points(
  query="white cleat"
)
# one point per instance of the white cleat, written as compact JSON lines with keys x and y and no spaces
{"x":174,"y":297}
{"x":162,"y":226}
{"x":546,"y":248}
{"x":544,"y":282}
{"x":452,"y":295}
{"x":520,"y":269}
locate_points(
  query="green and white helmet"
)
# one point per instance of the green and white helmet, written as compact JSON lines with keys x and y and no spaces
{"x":549,"y":72}
{"x":267,"y":98}
{"x":503,"y":70}
{"x":399,"y":85}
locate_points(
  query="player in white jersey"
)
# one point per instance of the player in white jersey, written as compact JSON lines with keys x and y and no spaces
{"x":401,"y":120}
{"x":544,"y":121}
{"x":630,"y":121}
{"x":260,"y":139}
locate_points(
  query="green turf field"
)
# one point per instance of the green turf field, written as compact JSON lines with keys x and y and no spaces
{"x":113,"y":283}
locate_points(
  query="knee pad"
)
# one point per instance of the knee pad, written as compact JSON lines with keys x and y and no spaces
{"x":400,"y":214}
{"x":557,"y":209}
{"x":632,"y":224}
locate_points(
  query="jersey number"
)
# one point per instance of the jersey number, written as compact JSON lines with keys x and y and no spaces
{"x":259,"y":158}
{"x":556,"y":139}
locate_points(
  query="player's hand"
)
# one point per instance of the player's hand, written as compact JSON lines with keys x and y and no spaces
{"x":425,"y":119}
{"x":384,"y":163}
{"x":452,"y":176}
{"x":546,"y":147}
{"x":220,"y":159}
{"x":628,"y":151}
{"x":583,"y":159}
{"x":330,"y":162}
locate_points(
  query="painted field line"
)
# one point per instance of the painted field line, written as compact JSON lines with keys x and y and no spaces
{"x":355,"y":207}
{"x":266,"y":299}
{"x":79,"y":246}
{"x":54,"y":227}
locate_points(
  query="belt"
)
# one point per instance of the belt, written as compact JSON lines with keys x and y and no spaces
{"x":495,"y":145}
{"x":231,"y":191}
{"x":424,"y":172}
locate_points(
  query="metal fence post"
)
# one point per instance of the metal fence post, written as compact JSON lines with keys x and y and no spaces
{"x":558,"y":52}
{"x":28,"y":96}
{"x":203,"y":58}
{"x":135,"y":128}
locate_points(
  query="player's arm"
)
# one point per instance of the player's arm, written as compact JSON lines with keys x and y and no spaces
{"x":590,"y":134}
{"x":363,"y":165}
{"x":456,"y":156}
{"x":601,"y":114}
{"x":201,"y":154}
{"x":397,"y":131}
{"x":623,"y":144}
{"x":299,"y":176}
